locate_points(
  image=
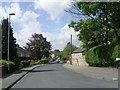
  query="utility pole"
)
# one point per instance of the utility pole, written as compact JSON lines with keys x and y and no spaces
{"x":71,"y":49}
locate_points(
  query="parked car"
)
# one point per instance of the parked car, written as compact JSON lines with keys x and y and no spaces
{"x":57,"y":60}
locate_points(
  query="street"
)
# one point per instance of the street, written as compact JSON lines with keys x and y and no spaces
{"x":56,"y":76}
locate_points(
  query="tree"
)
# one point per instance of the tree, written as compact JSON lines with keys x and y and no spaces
{"x":101,"y":25}
{"x":0,"y":42}
{"x":65,"y":54}
{"x":12,"y":44}
{"x":99,"y":31}
{"x":57,"y":52}
{"x":38,"y":47}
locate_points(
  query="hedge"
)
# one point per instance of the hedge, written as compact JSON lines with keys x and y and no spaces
{"x":5,"y":65}
{"x":116,"y":52}
{"x":44,"y":60}
{"x":102,"y":55}
{"x":25,"y":64}
{"x":28,"y":63}
{"x":34,"y":62}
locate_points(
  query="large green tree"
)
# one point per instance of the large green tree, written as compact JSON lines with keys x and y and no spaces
{"x":99,"y":30}
{"x":100,"y":25}
{"x":0,"y":42}
{"x":12,"y":44}
{"x":65,"y":54}
{"x":38,"y":46}
{"x":57,"y":52}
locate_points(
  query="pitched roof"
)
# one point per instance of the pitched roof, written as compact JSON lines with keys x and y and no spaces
{"x":79,"y":50}
{"x":22,"y":52}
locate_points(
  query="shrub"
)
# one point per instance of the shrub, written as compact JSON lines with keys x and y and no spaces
{"x":44,"y":60}
{"x":116,"y":52}
{"x":17,"y":62}
{"x":25,"y":63}
{"x":34,"y":62}
{"x":5,"y":65}
{"x":21,"y":65}
{"x":100,"y":56}
{"x":65,"y":56}
{"x":12,"y":66}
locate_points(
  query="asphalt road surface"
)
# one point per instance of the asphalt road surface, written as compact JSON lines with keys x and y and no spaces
{"x":56,"y":76}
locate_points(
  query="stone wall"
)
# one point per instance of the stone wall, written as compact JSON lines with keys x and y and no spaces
{"x":78,"y":59}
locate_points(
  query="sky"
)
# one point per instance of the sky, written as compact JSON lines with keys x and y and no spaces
{"x":47,"y":17}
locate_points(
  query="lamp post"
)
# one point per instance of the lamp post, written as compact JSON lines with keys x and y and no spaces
{"x":9,"y":36}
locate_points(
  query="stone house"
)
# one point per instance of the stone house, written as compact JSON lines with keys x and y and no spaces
{"x":78,"y":57}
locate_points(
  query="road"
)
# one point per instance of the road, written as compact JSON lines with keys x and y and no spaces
{"x":56,"y":76}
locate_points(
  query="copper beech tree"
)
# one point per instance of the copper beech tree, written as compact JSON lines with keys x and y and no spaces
{"x":38,"y":47}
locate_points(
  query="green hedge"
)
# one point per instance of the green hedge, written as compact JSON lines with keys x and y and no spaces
{"x":25,"y":63}
{"x":44,"y":60}
{"x":116,"y":52}
{"x":34,"y":62}
{"x":102,"y":55}
{"x":5,"y":65}
{"x":28,"y":63}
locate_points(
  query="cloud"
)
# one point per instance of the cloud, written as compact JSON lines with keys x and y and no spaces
{"x":54,"y":8}
{"x":14,"y":8}
{"x":27,"y":22}
{"x":29,"y":25}
{"x":62,"y":37}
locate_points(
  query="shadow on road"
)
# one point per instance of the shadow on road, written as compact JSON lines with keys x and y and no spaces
{"x":38,"y":70}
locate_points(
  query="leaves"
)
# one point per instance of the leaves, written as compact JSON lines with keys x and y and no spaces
{"x":102,"y":25}
{"x":12,"y":44}
{"x":65,"y":54}
{"x":38,"y":46}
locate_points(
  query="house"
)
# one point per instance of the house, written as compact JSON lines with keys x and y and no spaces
{"x":22,"y":53}
{"x":53,"y":55}
{"x":78,"y":57}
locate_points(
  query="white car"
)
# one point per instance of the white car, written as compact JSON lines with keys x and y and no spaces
{"x":57,"y":60}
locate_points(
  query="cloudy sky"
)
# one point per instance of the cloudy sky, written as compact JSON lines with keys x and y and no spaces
{"x":46,"y":17}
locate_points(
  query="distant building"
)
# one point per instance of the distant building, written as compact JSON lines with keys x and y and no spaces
{"x":78,"y":58}
{"x":53,"y":55}
{"x":22,"y":53}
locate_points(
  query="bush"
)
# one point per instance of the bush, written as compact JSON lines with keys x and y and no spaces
{"x":65,"y":56}
{"x":5,"y":64}
{"x":100,"y":56}
{"x":44,"y":60}
{"x":25,"y":63}
{"x":17,"y":62}
{"x":12,"y":66}
{"x":21,"y":65}
{"x":116,"y":52}
{"x":34,"y":62}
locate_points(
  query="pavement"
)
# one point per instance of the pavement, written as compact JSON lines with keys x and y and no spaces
{"x":95,"y":72}
{"x":9,"y":80}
